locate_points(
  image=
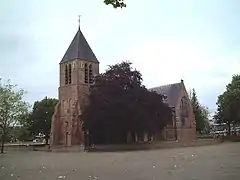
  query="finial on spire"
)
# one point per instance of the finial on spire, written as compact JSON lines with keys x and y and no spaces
{"x":79,"y":16}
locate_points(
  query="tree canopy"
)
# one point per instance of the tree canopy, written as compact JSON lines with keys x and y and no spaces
{"x":12,"y":107}
{"x":119,"y":104}
{"x":228,"y":103}
{"x":41,"y":117}
{"x":115,"y":3}
{"x":201,"y":112}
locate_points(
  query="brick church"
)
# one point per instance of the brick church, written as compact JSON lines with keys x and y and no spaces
{"x":77,"y":68}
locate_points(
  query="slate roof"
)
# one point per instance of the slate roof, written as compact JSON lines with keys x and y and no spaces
{"x":172,"y":91}
{"x":79,"y":49}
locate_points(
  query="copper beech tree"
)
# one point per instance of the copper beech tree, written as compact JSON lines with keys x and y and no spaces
{"x":119,"y":106}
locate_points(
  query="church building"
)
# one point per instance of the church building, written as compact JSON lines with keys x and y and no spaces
{"x":77,"y":68}
{"x":183,"y":125}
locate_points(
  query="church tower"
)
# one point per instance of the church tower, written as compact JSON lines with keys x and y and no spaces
{"x":77,"y":68}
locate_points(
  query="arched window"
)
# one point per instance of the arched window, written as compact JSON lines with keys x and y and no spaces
{"x":90,"y":74}
{"x":66,"y":74}
{"x":69,"y":73}
{"x":86,"y":73}
{"x":184,"y":110}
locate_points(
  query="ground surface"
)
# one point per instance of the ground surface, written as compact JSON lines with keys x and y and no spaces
{"x":216,"y":162}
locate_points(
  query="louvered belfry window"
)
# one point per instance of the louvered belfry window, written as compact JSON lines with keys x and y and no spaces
{"x":86,"y":73}
{"x":69,"y":73}
{"x":90,"y":74}
{"x":66,"y":74}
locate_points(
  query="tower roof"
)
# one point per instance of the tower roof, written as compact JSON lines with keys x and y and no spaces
{"x":79,"y":49}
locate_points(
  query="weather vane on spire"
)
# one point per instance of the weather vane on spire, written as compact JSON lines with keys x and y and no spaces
{"x":79,"y":16}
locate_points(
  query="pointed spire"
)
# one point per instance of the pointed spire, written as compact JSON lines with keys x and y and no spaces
{"x":79,"y":16}
{"x":79,"y":49}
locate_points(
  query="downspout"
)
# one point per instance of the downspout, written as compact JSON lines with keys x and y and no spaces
{"x":175,"y":123}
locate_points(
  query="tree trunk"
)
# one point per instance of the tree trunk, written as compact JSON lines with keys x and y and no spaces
{"x":2,"y":143}
{"x":46,"y":140}
{"x":133,"y":136}
{"x":229,"y":128}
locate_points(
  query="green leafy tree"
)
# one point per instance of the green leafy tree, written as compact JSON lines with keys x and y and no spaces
{"x":120,"y":105}
{"x":41,"y":117}
{"x":12,"y":106}
{"x":205,"y":115}
{"x":18,"y":133}
{"x":201,"y":112}
{"x":22,"y":131}
{"x":115,"y":3}
{"x":228,"y":103}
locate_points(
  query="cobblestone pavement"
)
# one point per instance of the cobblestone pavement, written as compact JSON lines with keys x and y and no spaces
{"x":216,"y":162}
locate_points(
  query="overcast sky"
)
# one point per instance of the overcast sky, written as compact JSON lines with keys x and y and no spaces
{"x":167,"y":40}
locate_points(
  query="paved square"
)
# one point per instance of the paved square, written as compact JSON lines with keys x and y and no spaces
{"x":217,"y":162}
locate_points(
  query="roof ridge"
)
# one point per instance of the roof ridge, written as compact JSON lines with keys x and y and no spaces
{"x":165,"y":85}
